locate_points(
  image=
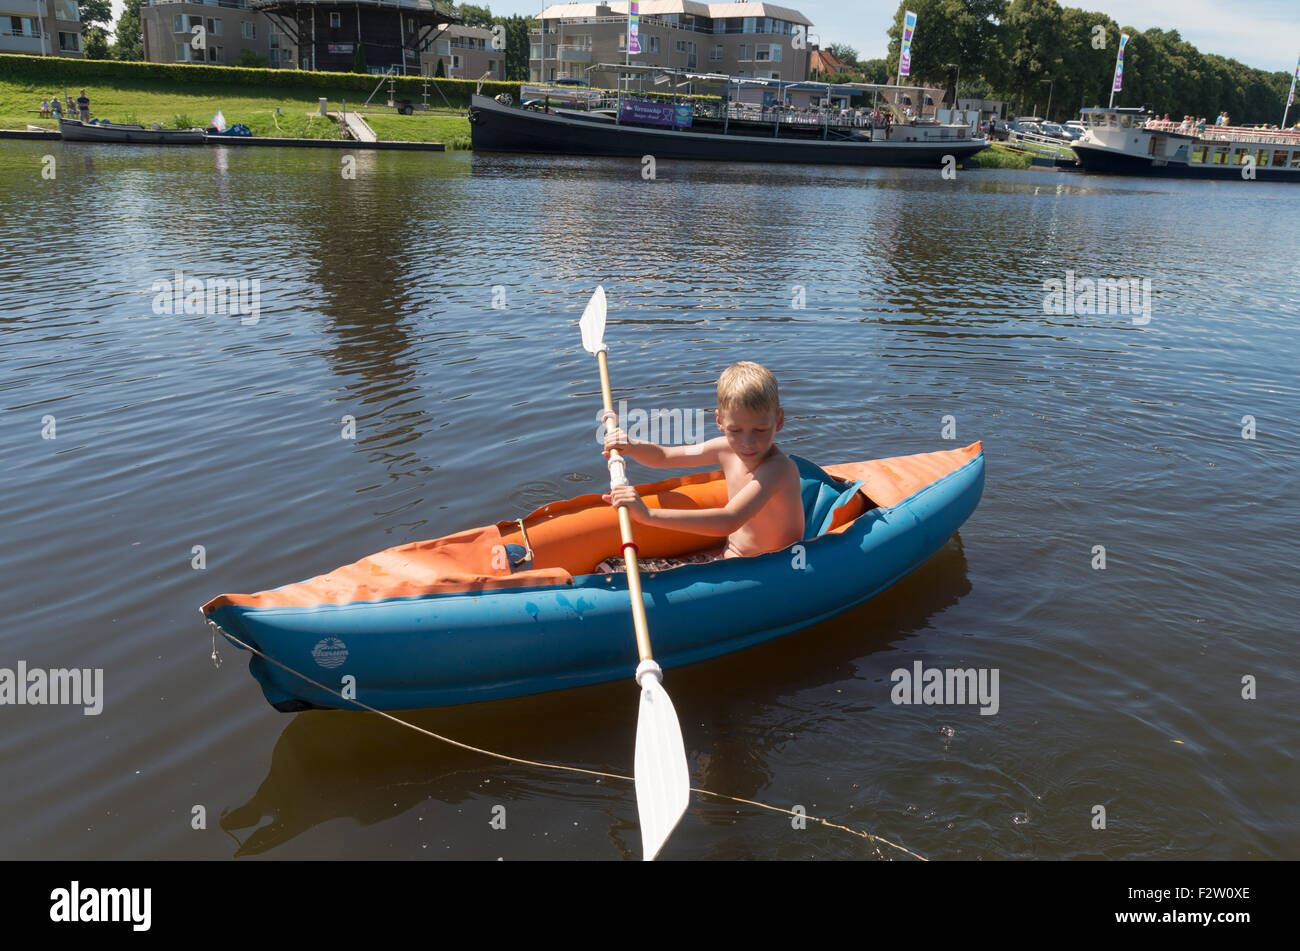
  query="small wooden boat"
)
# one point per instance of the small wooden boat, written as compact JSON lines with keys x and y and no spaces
{"x":517,"y":608}
{"x":74,"y":130}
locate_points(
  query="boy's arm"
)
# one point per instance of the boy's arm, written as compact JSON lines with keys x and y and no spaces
{"x":739,"y":509}
{"x":667,"y":457}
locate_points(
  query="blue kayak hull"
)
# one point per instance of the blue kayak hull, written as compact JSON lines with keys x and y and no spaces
{"x":443,"y":649}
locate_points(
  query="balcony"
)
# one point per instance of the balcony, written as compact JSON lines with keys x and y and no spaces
{"x":575,"y":54}
{"x":20,"y":43}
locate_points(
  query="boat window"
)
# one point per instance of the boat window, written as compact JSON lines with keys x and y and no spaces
{"x":1114,"y":120}
{"x":1221,"y":156}
{"x":1239,"y":156}
{"x":1199,"y":154}
{"x":1279,"y":158}
{"x":1261,"y":158}
{"x":1126,"y":122}
{"x":1295,"y":159}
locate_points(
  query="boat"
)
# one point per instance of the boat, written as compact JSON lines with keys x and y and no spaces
{"x":100,"y":130}
{"x":518,"y":608}
{"x":236,"y":131}
{"x":721,"y":128}
{"x":1131,"y":141}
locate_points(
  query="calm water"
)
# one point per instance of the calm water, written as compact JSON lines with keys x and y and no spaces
{"x":924,"y":299}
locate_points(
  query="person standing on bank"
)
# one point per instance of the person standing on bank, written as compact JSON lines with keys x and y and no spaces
{"x":83,"y":106}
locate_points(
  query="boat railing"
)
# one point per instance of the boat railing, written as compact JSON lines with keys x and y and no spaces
{"x":1220,"y":133}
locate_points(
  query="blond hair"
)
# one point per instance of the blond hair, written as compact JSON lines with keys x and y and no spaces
{"x":747,"y":385}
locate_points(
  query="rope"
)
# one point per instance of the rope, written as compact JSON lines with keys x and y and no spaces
{"x":528,"y":762}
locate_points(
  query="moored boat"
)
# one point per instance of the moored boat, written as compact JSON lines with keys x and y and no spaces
{"x":517,"y":608}
{"x":1130,"y":141}
{"x":715,"y":128}
{"x":74,"y":130}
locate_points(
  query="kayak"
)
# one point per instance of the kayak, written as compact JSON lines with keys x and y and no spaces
{"x":517,"y":607}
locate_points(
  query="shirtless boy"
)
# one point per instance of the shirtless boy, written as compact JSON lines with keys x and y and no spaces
{"x":764,"y":511}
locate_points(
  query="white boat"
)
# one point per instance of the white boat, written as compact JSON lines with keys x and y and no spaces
{"x":1128,"y":141}
{"x":77,"y":131}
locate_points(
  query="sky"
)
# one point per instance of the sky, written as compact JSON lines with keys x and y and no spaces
{"x":1260,"y":33}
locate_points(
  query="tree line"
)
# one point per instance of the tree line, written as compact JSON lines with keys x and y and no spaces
{"x":1022,"y":51}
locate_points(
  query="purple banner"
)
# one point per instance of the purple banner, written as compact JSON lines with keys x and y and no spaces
{"x":1119,"y":64}
{"x":657,"y":113}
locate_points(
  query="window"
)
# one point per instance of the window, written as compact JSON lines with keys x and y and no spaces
{"x":492,"y":66}
{"x":745,"y":53}
{"x":216,"y":54}
{"x":1221,"y":156}
{"x":248,"y":30}
{"x":66,"y":10}
{"x":654,"y":44}
{"x":455,"y":61}
{"x":774,"y":74}
{"x":776,"y":52}
{"x":69,"y":42}
{"x":1126,"y":121}
{"x":750,"y":24}
{"x":1279,"y":158}
{"x":681,"y":46}
{"x":1239,"y":156}
{"x":214,"y":27}
{"x":622,"y":41}
{"x":534,"y":51}
{"x":336,"y":20}
{"x":1199,"y":153}
{"x":716,"y":53}
{"x":178,"y":24}
{"x":1295,"y":159}
{"x":182,"y":52}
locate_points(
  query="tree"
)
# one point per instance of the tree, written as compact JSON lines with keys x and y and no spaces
{"x":252,"y":60}
{"x":96,"y":18}
{"x":844,"y":53}
{"x":439,"y":72}
{"x":951,"y":36}
{"x":518,"y":46}
{"x":875,"y":70}
{"x":471,"y":15}
{"x":359,"y":59}
{"x":127,"y":33}
{"x":94,"y":42}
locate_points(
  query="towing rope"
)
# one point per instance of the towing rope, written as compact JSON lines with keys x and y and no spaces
{"x":216,"y":660}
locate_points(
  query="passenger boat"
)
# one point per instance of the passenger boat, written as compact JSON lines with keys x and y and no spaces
{"x":517,"y":608}
{"x":1130,"y":141}
{"x":721,"y":129}
{"x":100,"y":130}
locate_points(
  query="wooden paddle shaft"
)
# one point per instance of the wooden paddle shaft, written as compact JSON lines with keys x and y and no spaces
{"x":625,"y":526}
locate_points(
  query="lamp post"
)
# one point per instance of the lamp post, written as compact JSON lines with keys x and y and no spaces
{"x":1048,"y":114}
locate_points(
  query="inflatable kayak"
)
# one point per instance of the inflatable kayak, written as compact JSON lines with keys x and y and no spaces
{"x":516,"y":608}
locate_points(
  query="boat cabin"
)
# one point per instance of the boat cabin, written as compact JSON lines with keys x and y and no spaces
{"x":1137,"y":133}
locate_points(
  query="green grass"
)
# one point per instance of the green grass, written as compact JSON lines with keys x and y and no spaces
{"x":147,"y":103}
{"x":999,"y":156}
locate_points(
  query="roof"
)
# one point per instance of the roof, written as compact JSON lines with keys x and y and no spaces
{"x":652,"y":8}
{"x":827,"y":62}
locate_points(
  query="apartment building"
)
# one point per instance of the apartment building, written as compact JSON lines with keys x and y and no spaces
{"x":465,"y":52}
{"x":759,"y":40}
{"x":40,"y":27}
{"x":228,"y":28}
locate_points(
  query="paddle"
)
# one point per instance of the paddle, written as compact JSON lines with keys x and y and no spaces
{"x":662,"y":780}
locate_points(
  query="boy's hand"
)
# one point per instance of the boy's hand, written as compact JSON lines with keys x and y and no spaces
{"x":627,"y":495}
{"x":616,"y":440}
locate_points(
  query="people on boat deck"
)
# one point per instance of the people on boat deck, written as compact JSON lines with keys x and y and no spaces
{"x":83,"y":106}
{"x":764,"y":510}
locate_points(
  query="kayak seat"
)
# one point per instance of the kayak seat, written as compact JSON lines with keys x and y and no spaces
{"x":827,"y":501}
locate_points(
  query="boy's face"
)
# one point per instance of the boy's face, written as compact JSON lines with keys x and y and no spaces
{"x":750,"y":433}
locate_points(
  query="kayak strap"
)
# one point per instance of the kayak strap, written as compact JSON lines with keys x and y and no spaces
{"x":528,"y":549}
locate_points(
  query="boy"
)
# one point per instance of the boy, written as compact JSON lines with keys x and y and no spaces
{"x":764,"y":510}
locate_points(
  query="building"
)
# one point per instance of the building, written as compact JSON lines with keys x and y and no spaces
{"x":336,"y":35}
{"x":40,"y":27}
{"x":823,"y":63}
{"x":228,"y":28}
{"x":758,"y":40}
{"x":465,"y":52}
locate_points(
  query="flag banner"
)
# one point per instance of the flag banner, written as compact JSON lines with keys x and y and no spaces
{"x":1119,"y":64}
{"x":1296,"y":75}
{"x":219,"y":121}
{"x":633,"y":21}
{"x":905,"y":56}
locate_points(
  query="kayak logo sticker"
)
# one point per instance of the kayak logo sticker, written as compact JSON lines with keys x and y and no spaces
{"x":330,"y":652}
{"x":946,"y":686}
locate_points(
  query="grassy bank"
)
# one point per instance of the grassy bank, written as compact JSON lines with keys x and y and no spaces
{"x":999,"y":156}
{"x":181,"y":96}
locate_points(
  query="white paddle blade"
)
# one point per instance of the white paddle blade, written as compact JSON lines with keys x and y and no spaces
{"x":663,"y":784}
{"x":593,"y":322}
